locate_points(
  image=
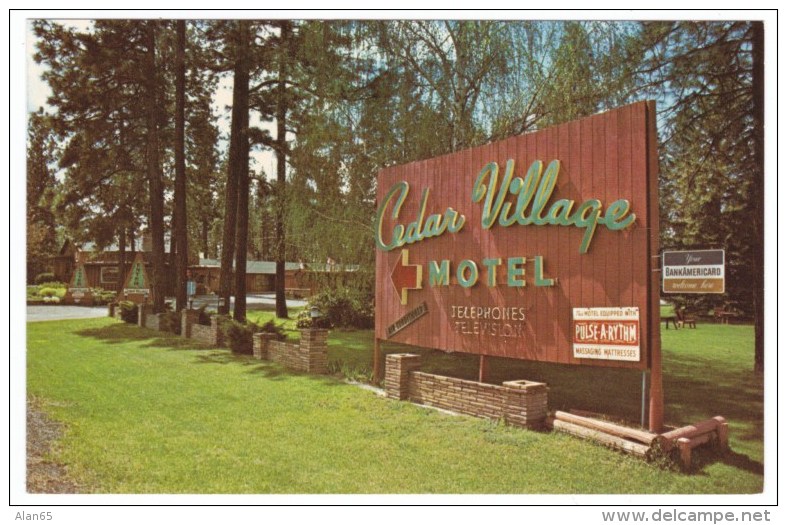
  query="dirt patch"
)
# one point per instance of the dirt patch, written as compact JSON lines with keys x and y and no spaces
{"x":43,"y":475}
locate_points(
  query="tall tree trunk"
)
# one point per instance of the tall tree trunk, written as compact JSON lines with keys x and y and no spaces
{"x":179,"y":215}
{"x":239,"y":162}
{"x":204,"y":239}
{"x":231,"y":190}
{"x":154,"y":173}
{"x":281,"y":169}
{"x":758,"y":259}
{"x":121,"y":259}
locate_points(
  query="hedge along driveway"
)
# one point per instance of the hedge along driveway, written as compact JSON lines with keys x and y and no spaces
{"x":150,"y":413}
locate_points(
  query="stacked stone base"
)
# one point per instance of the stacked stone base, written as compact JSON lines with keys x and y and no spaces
{"x":310,"y":355}
{"x":519,"y":403}
{"x":146,"y":318}
{"x":190,"y":328}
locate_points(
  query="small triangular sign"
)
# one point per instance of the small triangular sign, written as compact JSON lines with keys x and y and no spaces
{"x":79,"y":279}
{"x":137,"y":279}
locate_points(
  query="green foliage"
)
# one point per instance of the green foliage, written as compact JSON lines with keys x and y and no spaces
{"x":42,"y":189}
{"x":174,"y":413}
{"x":271,"y":327}
{"x":129,"y":312}
{"x":204,"y":315}
{"x":52,"y":284}
{"x":46,"y":277}
{"x":342,"y":308}
{"x":304,"y":320}
{"x":360,"y":374}
{"x":51,"y":292}
{"x":667,"y":310}
{"x":286,"y":327}
{"x":710,"y":183}
{"x":101,"y":296}
{"x":169,"y":321}
{"x":239,"y":335}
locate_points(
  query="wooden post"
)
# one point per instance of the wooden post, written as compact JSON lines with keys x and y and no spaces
{"x":483,"y":369}
{"x":697,"y":429}
{"x":610,"y":428}
{"x":684,"y":445}
{"x":644,"y":398}
{"x":656,"y":419}
{"x":377,"y":372}
{"x":602,"y":437}
{"x":724,"y":432}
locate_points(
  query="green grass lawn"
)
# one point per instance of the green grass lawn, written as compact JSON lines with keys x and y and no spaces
{"x":145,"y":412}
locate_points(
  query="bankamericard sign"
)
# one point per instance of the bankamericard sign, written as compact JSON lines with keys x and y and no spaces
{"x":697,"y":271}
{"x":519,"y":248}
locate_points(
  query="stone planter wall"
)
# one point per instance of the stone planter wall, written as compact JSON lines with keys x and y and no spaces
{"x":519,"y":403}
{"x":189,"y":328}
{"x":310,"y":355}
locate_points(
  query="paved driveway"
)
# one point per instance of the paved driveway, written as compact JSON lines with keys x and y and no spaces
{"x":52,"y":313}
{"x":253,"y":301}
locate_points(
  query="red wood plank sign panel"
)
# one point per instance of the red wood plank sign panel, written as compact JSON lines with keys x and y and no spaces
{"x":493,"y":250}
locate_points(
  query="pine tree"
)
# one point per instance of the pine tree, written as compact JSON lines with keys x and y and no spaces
{"x":42,"y":187}
{"x":709,"y":75}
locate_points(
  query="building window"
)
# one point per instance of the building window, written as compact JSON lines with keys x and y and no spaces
{"x":109,"y":275}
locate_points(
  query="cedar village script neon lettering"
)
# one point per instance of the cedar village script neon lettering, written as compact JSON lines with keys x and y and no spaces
{"x":533,"y":194}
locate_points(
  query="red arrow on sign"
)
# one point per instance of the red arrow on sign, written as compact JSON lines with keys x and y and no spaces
{"x":406,"y":276}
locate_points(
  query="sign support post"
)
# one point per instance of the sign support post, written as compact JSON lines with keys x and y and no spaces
{"x":644,"y":396}
{"x":656,"y":419}
{"x":483,"y":369}
{"x":377,"y":373}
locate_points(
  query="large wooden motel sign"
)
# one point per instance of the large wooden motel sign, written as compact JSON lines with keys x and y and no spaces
{"x":542,"y":247}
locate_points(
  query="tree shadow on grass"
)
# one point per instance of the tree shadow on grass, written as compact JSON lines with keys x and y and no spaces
{"x":267,"y":369}
{"x":704,"y":456}
{"x":126,"y":333}
{"x":225,"y":357}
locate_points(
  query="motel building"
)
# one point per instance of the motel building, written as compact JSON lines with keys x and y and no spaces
{"x":102,"y":270}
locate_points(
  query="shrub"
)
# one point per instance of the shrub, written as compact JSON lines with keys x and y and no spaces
{"x":51,"y":292}
{"x":129,"y":312}
{"x":52,"y":299}
{"x":101,"y":296}
{"x":169,"y":322}
{"x":344,"y":308}
{"x":204,"y":316}
{"x":270,"y":327}
{"x":239,"y":336}
{"x":45,"y":277}
{"x":53,"y":284}
{"x":304,"y":320}
{"x":358,"y":373}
